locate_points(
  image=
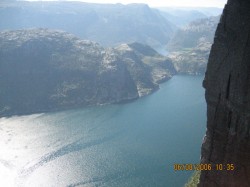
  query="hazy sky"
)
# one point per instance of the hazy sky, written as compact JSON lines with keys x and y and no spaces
{"x":162,"y":3}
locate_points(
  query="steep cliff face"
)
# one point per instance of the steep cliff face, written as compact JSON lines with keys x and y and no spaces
{"x":227,"y":84}
{"x":43,"y":70}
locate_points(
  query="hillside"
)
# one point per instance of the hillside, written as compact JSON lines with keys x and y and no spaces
{"x":45,"y":70}
{"x":193,"y":60}
{"x":191,"y":45}
{"x":196,"y":32}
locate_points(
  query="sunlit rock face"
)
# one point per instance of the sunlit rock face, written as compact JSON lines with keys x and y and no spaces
{"x":44,"y":70}
{"x":194,"y":34}
{"x":190,"y":46}
{"x":227,"y":84}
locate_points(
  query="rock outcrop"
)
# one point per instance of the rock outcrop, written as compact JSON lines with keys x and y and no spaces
{"x":193,"y":34}
{"x":45,"y":70}
{"x":227,"y":84}
{"x":190,"y":46}
{"x":191,"y":61}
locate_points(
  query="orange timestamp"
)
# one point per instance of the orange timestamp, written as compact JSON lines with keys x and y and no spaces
{"x":204,"y":167}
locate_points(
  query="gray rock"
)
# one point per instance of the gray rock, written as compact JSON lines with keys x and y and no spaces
{"x":193,"y":60}
{"x":195,"y":33}
{"x":227,"y":84}
{"x":191,"y":45}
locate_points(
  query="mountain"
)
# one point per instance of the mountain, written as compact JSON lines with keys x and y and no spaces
{"x":191,"y":45}
{"x":191,"y":61}
{"x":227,"y":84}
{"x":209,"y":11}
{"x":45,"y":70}
{"x":181,"y":17}
{"x":196,"y":32}
{"x":107,"y":24}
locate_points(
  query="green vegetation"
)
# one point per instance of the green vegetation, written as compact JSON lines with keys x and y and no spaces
{"x":194,"y":179}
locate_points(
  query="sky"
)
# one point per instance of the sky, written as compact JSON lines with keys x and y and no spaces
{"x":164,"y":3}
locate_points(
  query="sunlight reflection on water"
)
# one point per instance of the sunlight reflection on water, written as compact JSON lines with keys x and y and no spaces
{"x":133,"y":144}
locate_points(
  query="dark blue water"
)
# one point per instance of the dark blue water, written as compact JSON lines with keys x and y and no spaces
{"x":133,"y":144}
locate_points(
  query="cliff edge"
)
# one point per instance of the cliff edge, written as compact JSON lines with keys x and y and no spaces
{"x":227,"y":84}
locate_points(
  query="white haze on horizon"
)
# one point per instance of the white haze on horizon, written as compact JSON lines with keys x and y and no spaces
{"x":161,"y":3}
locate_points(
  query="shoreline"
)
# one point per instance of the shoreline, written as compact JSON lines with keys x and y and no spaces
{"x":123,"y":101}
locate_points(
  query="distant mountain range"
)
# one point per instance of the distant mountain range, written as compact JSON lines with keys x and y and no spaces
{"x":181,"y":16}
{"x":46,"y":70}
{"x":107,"y":24}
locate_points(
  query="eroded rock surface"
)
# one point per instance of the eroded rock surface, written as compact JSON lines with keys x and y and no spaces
{"x":227,"y":84}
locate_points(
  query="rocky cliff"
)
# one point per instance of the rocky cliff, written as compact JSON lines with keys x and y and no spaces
{"x":227,"y":84}
{"x":191,"y":45}
{"x":45,"y":70}
{"x":193,"y":34}
{"x":193,"y":60}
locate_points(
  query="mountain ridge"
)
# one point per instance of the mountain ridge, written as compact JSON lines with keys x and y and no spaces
{"x":46,"y":70}
{"x":107,"y":24}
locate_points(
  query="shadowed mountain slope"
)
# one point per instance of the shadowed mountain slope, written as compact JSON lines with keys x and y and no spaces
{"x":43,"y":70}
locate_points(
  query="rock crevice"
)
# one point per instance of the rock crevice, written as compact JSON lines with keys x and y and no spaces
{"x":227,"y":84}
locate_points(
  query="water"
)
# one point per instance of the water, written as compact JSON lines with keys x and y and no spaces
{"x":132,"y":144}
{"x":162,"y":51}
